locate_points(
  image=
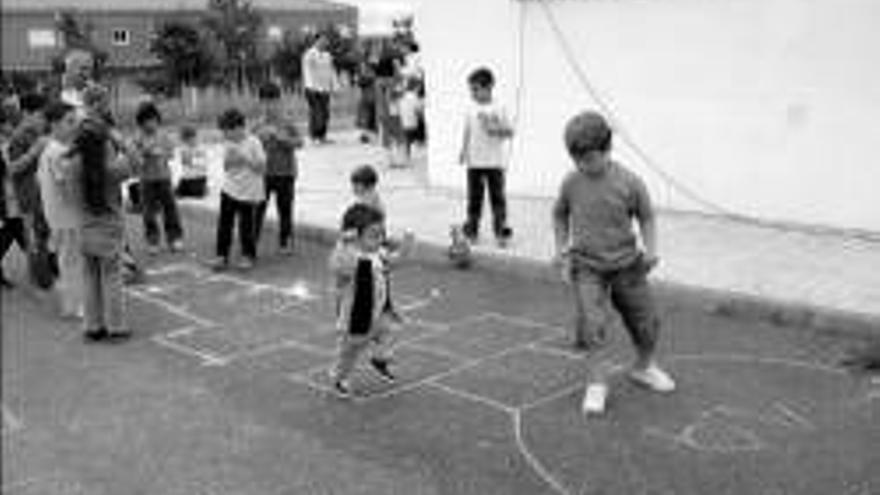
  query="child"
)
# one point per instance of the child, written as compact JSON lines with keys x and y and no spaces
{"x":410,"y":106}
{"x":244,"y":162}
{"x":280,"y":140}
{"x":193,"y":165}
{"x":12,"y":226}
{"x":24,"y":149}
{"x":486,"y":130}
{"x":153,"y":151}
{"x":598,"y":252}
{"x":97,"y":174}
{"x":364,"y":311}
{"x":60,"y":207}
{"x":364,"y":180}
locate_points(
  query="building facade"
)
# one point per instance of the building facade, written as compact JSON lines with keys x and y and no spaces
{"x":125,"y":28}
{"x":765,"y":108}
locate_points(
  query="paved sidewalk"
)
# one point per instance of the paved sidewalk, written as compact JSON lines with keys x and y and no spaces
{"x":789,"y":275}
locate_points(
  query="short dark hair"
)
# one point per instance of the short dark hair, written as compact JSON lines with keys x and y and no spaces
{"x":56,"y":110}
{"x":360,"y":216}
{"x":269,"y":91}
{"x":231,"y":118}
{"x":32,"y":102}
{"x":365,"y":175}
{"x":586,"y":132}
{"x":147,"y":111}
{"x":482,"y":77}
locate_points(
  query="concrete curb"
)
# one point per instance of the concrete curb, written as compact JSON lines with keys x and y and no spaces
{"x":723,"y":303}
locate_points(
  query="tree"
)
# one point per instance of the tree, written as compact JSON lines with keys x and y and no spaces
{"x":286,"y":60}
{"x":235,"y":25}
{"x":184,"y":53}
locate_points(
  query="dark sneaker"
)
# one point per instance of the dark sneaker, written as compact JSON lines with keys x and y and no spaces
{"x":96,"y":335}
{"x":381,"y":367}
{"x":219,"y":264}
{"x":117,"y":336}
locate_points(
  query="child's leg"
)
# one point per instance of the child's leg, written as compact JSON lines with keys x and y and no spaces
{"x":591,"y":316}
{"x":112,"y":293}
{"x":632,"y":297}
{"x":474,"y":202}
{"x":247,"y":218}
{"x":171,"y":216}
{"x":350,"y":348}
{"x":284,"y":195}
{"x":70,"y":286}
{"x":383,"y":338}
{"x":93,"y":316}
{"x":225,"y":223}
{"x":268,"y":187}
{"x":150,"y":205}
{"x":498,"y":200}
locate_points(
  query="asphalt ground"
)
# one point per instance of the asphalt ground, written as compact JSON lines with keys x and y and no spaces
{"x":224,"y":390}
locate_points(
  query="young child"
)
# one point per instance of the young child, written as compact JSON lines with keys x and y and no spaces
{"x":598,"y":252}
{"x":153,"y":152}
{"x":193,"y":165}
{"x":364,"y":180}
{"x":12,"y":225}
{"x":364,"y":310}
{"x":410,"y":107}
{"x":61,"y":208}
{"x":280,"y":140}
{"x":24,"y":149}
{"x":97,"y":175}
{"x":244,"y":162}
{"x":486,"y":129}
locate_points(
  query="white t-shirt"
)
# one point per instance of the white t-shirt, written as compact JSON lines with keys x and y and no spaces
{"x":192,"y":159}
{"x":54,"y":175}
{"x":409,"y":107}
{"x":317,"y":70}
{"x":244,"y":164}
{"x":483,"y":149}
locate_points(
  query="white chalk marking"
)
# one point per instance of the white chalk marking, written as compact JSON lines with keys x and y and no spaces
{"x":177,"y":310}
{"x":206,"y":358}
{"x":421,"y":302}
{"x":270,"y":348}
{"x":525,"y":322}
{"x":464,"y":394}
{"x":740,"y":358}
{"x":532,"y":459}
{"x":11,"y":423}
{"x":555,"y":351}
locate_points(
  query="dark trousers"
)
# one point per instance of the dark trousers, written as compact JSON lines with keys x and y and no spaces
{"x":319,"y":113}
{"x":282,"y":187}
{"x":246,"y":214}
{"x":479,"y":179}
{"x":192,"y":187}
{"x":157,"y":198}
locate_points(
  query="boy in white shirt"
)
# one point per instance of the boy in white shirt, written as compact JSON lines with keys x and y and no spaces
{"x":411,"y":108}
{"x":61,"y":207}
{"x":486,"y":131}
{"x":193,"y":181}
{"x":244,"y":163}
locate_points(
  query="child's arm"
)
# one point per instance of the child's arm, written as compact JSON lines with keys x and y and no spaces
{"x":644,"y":213}
{"x":465,"y":139}
{"x":257,"y":155}
{"x":561,"y":212}
{"x":27,"y":161}
{"x":342,"y":264}
{"x":499,"y":125}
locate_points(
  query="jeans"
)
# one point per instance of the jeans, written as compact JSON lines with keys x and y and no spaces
{"x":283,"y":188}
{"x":479,"y":179}
{"x":246,"y":213}
{"x":157,"y":197}
{"x":103,"y":291}
{"x":629,"y":293}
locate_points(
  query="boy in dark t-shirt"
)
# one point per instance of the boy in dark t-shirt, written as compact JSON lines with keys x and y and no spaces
{"x":599,"y":252}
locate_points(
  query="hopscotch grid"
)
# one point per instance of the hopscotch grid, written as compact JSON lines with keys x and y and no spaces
{"x":206,"y":358}
{"x":473,"y":397}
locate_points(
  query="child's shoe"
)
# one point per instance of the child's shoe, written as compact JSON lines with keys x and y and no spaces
{"x":653,"y":378}
{"x":342,"y":388}
{"x":95,"y":335}
{"x":219,"y":264}
{"x":153,"y":249}
{"x":176,"y":246}
{"x":381,"y":367}
{"x":594,"y":399}
{"x":245,"y":263}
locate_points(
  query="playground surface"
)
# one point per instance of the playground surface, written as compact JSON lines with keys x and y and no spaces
{"x":224,"y":390}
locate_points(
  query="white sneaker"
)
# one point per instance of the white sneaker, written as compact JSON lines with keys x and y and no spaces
{"x":654,"y":378}
{"x":594,"y":399}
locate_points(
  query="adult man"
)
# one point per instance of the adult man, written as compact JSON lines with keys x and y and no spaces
{"x":319,"y":80}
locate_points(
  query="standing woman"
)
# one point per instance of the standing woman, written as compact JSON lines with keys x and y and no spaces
{"x":98,"y":172}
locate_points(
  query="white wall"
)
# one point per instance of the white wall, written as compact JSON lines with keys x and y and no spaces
{"x":769,"y":108}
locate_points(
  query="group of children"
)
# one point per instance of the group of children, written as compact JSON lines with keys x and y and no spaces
{"x":78,"y":166}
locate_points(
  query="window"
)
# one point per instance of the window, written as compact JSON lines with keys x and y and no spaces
{"x":121,"y":37}
{"x":41,"y":38}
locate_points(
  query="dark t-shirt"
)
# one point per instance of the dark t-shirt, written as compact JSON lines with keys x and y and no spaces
{"x":24,"y":180}
{"x":599,"y":212}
